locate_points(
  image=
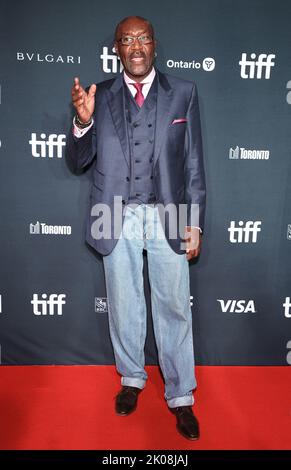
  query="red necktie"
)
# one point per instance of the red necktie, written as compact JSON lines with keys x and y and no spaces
{"x":139,"y":98}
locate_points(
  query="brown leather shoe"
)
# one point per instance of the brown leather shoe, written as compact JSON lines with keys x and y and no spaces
{"x":187,"y":423}
{"x":126,"y":400}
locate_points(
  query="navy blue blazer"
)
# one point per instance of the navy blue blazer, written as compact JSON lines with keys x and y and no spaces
{"x":178,"y":160}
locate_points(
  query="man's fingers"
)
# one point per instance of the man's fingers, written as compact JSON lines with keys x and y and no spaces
{"x":189,"y":255}
{"x":77,"y":86}
{"x":78,"y":99}
{"x":83,"y":101}
{"x":92,"y":91}
{"x":192,"y":254}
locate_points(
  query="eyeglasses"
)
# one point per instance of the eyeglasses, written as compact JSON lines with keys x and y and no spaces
{"x":129,"y":40}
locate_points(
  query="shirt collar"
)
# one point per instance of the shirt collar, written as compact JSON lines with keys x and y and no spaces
{"x":149,"y":79}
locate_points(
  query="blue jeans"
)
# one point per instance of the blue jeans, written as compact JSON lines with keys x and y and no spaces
{"x":170,"y":300}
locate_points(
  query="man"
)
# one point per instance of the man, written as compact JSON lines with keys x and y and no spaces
{"x":144,"y":129}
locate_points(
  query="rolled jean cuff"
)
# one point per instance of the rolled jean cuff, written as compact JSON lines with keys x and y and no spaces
{"x":186,"y":400}
{"x":133,"y":382}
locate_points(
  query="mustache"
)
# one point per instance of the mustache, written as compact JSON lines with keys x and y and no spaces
{"x":137,"y":54}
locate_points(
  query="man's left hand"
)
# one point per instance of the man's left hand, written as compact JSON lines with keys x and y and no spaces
{"x":193,"y":242}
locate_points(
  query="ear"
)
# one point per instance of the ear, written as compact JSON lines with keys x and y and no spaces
{"x":115,"y":48}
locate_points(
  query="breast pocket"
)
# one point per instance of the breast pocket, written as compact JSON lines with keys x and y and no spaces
{"x":177,"y":130}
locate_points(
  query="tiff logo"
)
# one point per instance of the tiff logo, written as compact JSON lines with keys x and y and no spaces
{"x":53,"y":305}
{"x":255,"y":68}
{"x":51,"y":143}
{"x":110,"y":62}
{"x":287,"y":307}
{"x":244,"y":234}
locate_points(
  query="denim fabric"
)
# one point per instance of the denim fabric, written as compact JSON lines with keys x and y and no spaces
{"x":170,"y":301}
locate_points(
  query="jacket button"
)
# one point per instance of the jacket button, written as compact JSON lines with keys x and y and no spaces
{"x":137,"y":178}
{"x":123,"y":201}
{"x":151,"y":159}
{"x":127,"y":178}
{"x":149,"y":125}
{"x":136,"y":143}
{"x":151,"y":177}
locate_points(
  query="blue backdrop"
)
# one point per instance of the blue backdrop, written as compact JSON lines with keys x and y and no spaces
{"x":52,"y":294}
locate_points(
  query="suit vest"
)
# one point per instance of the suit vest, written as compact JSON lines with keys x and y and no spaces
{"x":141,"y":124}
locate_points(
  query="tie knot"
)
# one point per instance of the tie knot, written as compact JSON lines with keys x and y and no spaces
{"x":138,"y":87}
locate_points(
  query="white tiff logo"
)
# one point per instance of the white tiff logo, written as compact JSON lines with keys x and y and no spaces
{"x":48,"y":306}
{"x":46,"y":146}
{"x":110,"y":62}
{"x":244,"y":234}
{"x":255,"y":68}
{"x":287,"y":307}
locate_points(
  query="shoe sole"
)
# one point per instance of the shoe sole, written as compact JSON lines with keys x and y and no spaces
{"x":187,"y":437}
{"x":125,"y":414}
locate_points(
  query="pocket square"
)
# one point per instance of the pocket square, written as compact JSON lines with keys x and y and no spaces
{"x":176,"y":121}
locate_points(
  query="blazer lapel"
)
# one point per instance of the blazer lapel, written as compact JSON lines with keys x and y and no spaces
{"x":163,"y":120}
{"x":115,"y":96}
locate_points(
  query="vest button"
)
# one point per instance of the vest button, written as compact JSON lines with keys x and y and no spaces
{"x":151,"y":141}
{"x":151,"y":159}
{"x":137,"y":161}
{"x":123,"y":201}
{"x":127,"y":178}
{"x":138,"y":194}
{"x":151,"y":177}
{"x":137,"y":178}
{"x":149,"y":125}
{"x":136,"y":143}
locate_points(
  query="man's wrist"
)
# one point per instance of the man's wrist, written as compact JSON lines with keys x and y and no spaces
{"x":81,"y":124}
{"x":190,"y":227}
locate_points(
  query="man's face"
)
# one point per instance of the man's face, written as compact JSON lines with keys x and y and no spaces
{"x":137,"y":59}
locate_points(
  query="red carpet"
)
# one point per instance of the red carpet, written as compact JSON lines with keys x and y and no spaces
{"x":72,"y":407}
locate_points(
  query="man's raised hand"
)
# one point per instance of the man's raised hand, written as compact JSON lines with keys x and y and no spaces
{"x":83,"y":102}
